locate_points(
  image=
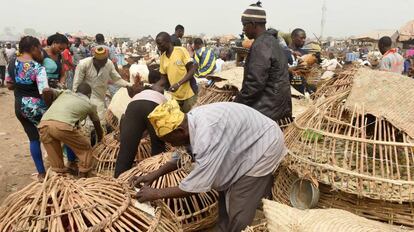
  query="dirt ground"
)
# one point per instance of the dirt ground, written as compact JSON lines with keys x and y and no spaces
{"x":16,"y":164}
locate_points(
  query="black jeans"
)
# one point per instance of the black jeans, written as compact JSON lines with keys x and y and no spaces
{"x":133,"y":125}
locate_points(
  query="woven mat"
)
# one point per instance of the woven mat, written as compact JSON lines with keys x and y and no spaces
{"x":384,"y":94}
{"x":282,"y":218}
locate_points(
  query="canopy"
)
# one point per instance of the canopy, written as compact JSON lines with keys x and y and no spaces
{"x":407,"y":32}
{"x":376,"y":35}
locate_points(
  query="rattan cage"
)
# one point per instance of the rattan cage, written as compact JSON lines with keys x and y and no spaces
{"x":352,"y":150}
{"x":379,"y":210}
{"x":111,"y":120}
{"x":210,"y":94}
{"x":197,"y":212}
{"x":106,"y":152}
{"x":95,"y":204}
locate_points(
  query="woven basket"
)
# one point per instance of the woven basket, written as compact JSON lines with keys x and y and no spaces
{"x":95,"y":204}
{"x":106,"y":153}
{"x":212,"y":94}
{"x":352,"y":151}
{"x":383,"y":211}
{"x":197,"y":212}
{"x":283,"y":218}
{"x":111,"y":120}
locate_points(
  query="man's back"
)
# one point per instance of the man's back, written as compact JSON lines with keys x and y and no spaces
{"x":392,"y":61}
{"x":70,"y":108}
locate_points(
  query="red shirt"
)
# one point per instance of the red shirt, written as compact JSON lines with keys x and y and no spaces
{"x":67,"y":58}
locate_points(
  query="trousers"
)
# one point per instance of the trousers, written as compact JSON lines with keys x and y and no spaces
{"x":54,"y":133}
{"x":132,"y":127}
{"x":238,"y":204}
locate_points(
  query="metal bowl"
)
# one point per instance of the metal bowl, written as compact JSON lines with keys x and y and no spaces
{"x":303,"y":194}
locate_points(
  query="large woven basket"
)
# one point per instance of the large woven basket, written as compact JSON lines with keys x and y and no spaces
{"x":212,"y":94}
{"x":106,"y":153}
{"x":197,"y":212}
{"x":379,"y":210}
{"x":331,"y":87}
{"x":352,"y":150}
{"x":95,"y":204}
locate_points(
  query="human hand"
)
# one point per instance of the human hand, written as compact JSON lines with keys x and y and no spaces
{"x":148,"y":194}
{"x":174,"y":87}
{"x":138,"y":181}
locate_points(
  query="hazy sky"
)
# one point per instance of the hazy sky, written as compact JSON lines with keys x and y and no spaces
{"x":213,"y":17}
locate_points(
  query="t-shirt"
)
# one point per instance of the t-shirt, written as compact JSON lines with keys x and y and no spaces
{"x":206,"y":61}
{"x":10,"y":52}
{"x":176,"y":41}
{"x":3,"y":57}
{"x":79,"y":53}
{"x":392,"y":61}
{"x":175,"y":69}
{"x":70,"y":108}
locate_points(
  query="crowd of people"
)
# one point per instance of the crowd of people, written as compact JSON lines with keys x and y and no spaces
{"x":236,"y":146}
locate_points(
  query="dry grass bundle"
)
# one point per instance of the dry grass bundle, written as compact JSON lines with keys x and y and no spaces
{"x":197,"y":212}
{"x":379,"y":210}
{"x":212,"y":94}
{"x":283,"y":218}
{"x":106,"y":152}
{"x":352,"y":150}
{"x":64,"y":204}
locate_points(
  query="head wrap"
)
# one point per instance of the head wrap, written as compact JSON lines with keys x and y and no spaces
{"x":166,"y":118}
{"x":101,"y":52}
{"x":254,"y":13}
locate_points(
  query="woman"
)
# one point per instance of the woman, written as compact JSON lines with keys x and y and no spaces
{"x":27,"y":77}
{"x":56,"y":43}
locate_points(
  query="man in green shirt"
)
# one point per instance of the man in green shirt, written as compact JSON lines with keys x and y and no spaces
{"x":60,"y":125}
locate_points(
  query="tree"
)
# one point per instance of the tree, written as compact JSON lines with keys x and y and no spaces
{"x":30,"y":31}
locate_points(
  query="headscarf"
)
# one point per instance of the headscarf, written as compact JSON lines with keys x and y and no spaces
{"x":100,"y":52}
{"x":166,"y":118}
{"x":254,"y":13}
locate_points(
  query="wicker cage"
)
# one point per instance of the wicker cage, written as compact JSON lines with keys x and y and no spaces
{"x":212,"y":94}
{"x":352,"y":150}
{"x":331,"y":87}
{"x":95,"y":204}
{"x":106,"y":152}
{"x":379,"y":210}
{"x":111,"y":120}
{"x":197,"y":212}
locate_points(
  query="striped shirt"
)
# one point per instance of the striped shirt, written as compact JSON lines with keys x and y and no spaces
{"x":206,"y":61}
{"x":392,"y":61}
{"x":231,"y":140}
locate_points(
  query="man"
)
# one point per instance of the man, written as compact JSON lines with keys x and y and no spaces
{"x":177,"y":36}
{"x":79,"y":51}
{"x":293,"y":53}
{"x":391,"y":61}
{"x":266,"y":85}
{"x":60,"y":125}
{"x":96,"y":71}
{"x":3,"y":63}
{"x":10,"y":52}
{"x":236,"y":149}
{"x":135,"y":122}
{"x":177,"y":71}
{"x":205,"y":59}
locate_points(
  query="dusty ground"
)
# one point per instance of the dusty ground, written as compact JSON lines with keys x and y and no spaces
{"x":16,"y":165}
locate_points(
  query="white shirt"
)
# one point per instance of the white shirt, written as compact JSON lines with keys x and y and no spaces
{"x":10,"y":52}
{"x":331,"y":65}
{"x":219,"y":65}
{"x":86,"y":72}
{"x":231,"y":140}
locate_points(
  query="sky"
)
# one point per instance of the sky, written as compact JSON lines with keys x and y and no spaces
{"x":135,"y":18}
